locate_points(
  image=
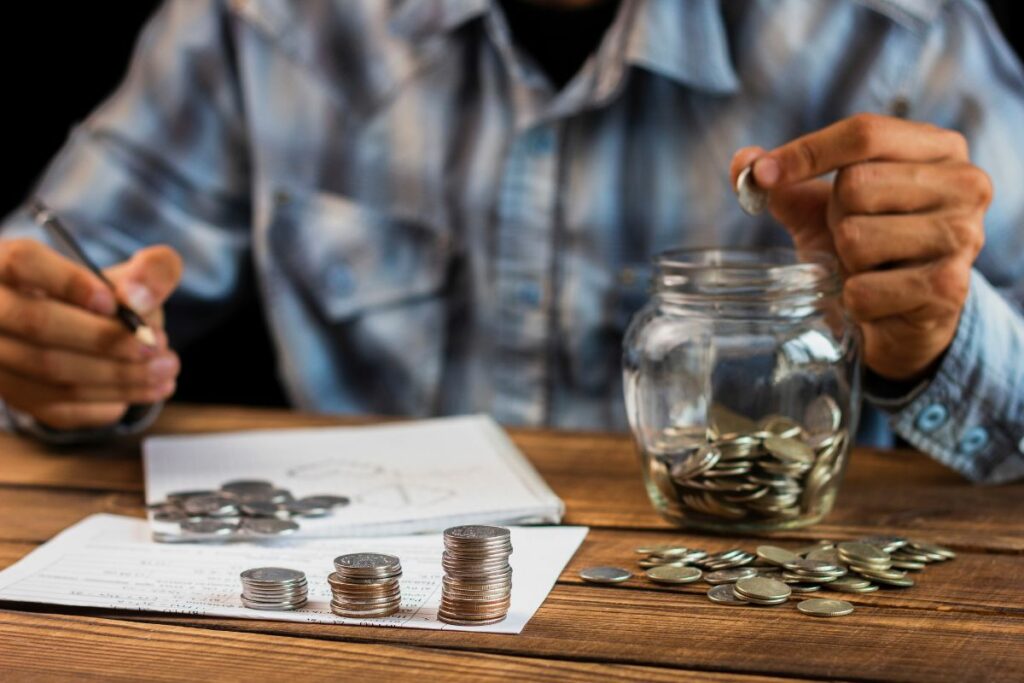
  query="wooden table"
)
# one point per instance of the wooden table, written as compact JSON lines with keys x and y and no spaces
{"x":963,"y":621}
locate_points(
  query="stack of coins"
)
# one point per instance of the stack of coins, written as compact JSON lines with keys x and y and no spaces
{"x":242,"y":508}
{"x":477,"y":585}
{"x":774,"y":469}
{"x":365,"y":585}
{"x":273,"y":588}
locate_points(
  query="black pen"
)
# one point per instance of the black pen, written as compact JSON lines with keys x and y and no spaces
{"x":49,"y":221}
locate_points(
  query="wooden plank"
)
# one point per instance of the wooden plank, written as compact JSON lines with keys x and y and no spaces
{"x":32,"y":514}
{"x":583,"y":623}
{"x":103,"y":649}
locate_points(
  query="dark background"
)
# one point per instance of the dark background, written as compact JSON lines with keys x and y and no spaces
{"x":60,"y":60}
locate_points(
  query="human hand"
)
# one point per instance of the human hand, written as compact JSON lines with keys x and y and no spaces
{"x":64,"y":359}
{"x":905,"y":217}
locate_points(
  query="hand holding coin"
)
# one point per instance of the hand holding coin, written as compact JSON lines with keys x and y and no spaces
{"x":904,"y":215}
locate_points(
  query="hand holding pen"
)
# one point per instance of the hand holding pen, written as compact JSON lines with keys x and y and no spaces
{"x":71,"y":351}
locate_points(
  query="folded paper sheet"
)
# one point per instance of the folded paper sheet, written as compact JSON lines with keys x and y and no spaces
{"x":109,"y":561}
{"x":402,"y":478}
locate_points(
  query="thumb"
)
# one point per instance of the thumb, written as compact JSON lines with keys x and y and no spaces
{"x":144,"y":281}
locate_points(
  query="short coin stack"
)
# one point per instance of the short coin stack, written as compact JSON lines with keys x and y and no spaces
{"x":273,"y":588}
{"x":477,"y":584}
{"x":365,"y":585}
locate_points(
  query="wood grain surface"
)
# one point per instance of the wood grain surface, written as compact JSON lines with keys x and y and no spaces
{"x":964,"y":620}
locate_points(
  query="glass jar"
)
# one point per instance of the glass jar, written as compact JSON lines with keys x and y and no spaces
{"x":742,"y":383}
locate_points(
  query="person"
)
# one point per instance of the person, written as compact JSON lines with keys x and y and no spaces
{"x":450,"y":205}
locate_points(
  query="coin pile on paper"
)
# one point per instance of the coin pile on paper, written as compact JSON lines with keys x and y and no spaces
{"x":243,"y":508}
{"x":365,"y":585}
{"x":274,"y":588}
{"x":477,"y":584}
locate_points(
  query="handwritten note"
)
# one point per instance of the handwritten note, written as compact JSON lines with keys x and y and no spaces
{"x":108,"y":561}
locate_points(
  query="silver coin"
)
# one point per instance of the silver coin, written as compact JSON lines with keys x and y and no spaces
{"x":268,"y":526}
{"x":210,"y":526}
{"x":215,"y":505}
{"x":247,"y":486}
{"x":762,"y":588}
{"x":304,"y":508}
{"x":477,"y":532}
{"x":776,"y":555}
{"x":181,"y":496}
{"x":272,"y":575}
{"x":262,"y":509}
{"x":673,"y":575}
{"x":822,"y":607}
{"x":367,"y":561}
{"x":723,"y":576}
{"x":823,"y":416}
{"x":723,"y":594}
{"x":605,"y":574}
{"x":329,"y":501}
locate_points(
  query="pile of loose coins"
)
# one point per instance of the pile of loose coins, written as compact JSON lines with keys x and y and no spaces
{"x":274,"y":588}
{"x":365,"y":585}
{"x":243,"y":508}
{"x":771,"y":575}
{"x":774,"y":469}
{"x":477,"y":584}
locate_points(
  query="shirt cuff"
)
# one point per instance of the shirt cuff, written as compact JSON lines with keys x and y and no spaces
{"x":970,"y":416}
{"x":138,"y":418}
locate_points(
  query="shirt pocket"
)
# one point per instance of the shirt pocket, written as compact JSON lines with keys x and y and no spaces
{"x":348,"y":259}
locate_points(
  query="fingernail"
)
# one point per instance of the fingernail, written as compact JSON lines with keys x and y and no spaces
{"x":139,"y":298}
{"x":766,"y":171}
{"x":163,"y":367}
{"x":102,"y":302}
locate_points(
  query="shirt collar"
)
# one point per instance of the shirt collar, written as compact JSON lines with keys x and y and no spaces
{"x":684,"y":40}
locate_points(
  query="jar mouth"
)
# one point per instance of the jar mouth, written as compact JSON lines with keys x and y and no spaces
{"x":746,"y":275}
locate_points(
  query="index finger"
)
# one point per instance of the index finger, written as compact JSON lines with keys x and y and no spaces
{"x":864,"y":137}
{"x":27,"y":264}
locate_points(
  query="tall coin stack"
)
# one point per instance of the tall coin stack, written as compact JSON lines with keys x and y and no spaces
{"x":273,"y":588}
{"x":365,"y":585}
{"x":477,"y":585}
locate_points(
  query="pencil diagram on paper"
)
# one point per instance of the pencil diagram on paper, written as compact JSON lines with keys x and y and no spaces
{"x":382,"y":486}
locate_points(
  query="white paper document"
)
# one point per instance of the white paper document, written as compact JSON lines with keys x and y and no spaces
{"x":108,"y":561}
{"x":401,"y":478}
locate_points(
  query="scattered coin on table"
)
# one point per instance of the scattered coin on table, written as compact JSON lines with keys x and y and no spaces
{"x":242,"y":508}
{"x":772,"y":574}
{"x":605,"y":574}
{"x":671,"y":574}
{"x":819,"y":607}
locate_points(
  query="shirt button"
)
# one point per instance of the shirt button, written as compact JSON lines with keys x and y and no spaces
{"x":932,"y":417}
{"x":974,"y":440}
{"x":339,"y":280}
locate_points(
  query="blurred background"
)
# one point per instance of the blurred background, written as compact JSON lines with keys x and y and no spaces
{"x":55,"y":80}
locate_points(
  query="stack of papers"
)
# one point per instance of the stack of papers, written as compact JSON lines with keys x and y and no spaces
{"x":401,"y":479}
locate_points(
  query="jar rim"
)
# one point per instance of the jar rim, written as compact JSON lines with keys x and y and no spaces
{"x":746,"y":274}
